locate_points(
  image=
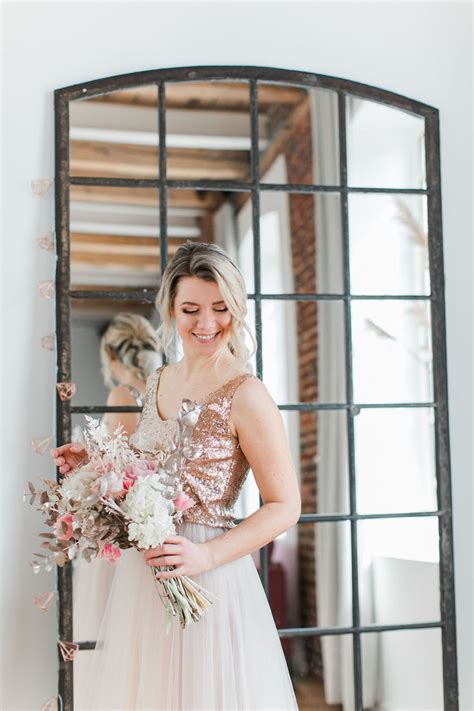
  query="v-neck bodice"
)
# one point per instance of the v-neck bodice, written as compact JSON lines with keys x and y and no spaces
{"x":203,"y":401}
{"x":215,"y":479}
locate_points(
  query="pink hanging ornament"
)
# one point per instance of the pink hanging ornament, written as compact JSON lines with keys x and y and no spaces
{"x":68,"y":650}
{"x":46,"y":289}
{"x":43,"y":602}
{"x":41,"y":445}
{"x":47,"y":342}
{"x":46,"y":241}
{"x":66,"y":390}
{"x":41,"y":186}
{"x":50,"y":705}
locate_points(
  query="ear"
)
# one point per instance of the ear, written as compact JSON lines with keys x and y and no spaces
{"x":110,"y":352}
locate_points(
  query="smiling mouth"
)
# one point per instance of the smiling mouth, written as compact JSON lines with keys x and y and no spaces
{"x":206,"y":339}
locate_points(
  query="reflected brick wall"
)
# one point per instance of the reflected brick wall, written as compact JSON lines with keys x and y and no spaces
{"x":299,"y":160}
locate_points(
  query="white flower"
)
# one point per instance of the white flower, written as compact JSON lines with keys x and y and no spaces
{"x":77,"y":486}
{"x":149,"y":513}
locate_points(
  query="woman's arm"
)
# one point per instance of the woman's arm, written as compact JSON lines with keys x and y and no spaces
{"x":263,"y":440}
{"x":121,"y":395}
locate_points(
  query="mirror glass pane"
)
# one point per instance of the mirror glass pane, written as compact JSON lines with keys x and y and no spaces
{"x":320,"y":670}
{"x":100,"y":322}
{"x":300,"y":242}
{"x":392,"y":357}
{"x":115,"y":238}
{"x":383,"y":479}
{"x":115,"y":135}
{"x":303,"y":577}
{"x":299,"y":143}
{"x":388,"y":237}
{"x":208,"y":130}
{"x":322,"y":477}
{"x":398,"y":570}
{"x":294,"y":330}
{"x":385,"y":146}
{"x":403,"y":669}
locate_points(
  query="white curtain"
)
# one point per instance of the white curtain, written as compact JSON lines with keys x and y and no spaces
{"x":333,"y":550}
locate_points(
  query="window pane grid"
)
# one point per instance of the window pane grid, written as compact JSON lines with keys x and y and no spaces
{"x":352,"y":409}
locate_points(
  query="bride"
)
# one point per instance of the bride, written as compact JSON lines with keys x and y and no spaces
{"x":232,"y":658}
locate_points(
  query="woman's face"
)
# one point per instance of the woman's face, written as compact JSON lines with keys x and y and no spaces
{"x":200,"y":310}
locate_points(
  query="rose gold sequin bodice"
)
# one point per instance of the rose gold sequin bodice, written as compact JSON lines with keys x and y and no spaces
{"x":215,"y":479}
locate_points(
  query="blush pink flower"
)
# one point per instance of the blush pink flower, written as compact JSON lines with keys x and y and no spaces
{"x":183,"y":502}
{"x":141,"y":468}
{"x":110,"y":552}
{"x":127,"y":482}
{"x":59,"y":532}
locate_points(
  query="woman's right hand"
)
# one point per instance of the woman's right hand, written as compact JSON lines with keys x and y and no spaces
{"x":69,"y":456}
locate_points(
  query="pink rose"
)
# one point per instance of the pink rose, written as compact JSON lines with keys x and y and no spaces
{"x":127,"y":483}
{"x":141,"y":468}
{"x":59,"y":532}
{"x":110,"y":552}
{"x":183,"y":502}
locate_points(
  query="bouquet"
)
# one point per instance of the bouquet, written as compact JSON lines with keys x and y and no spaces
{"x":119,"y":499}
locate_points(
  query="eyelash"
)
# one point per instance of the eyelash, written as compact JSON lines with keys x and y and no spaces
{"x":220,"y":311}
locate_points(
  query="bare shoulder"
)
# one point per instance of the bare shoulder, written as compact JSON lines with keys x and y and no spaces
{"x":251,"y":400}
{"x":120,"y":395}
{"x":250,"y":391}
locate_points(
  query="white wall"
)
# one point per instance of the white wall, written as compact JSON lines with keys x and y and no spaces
{"x":421,"y":50}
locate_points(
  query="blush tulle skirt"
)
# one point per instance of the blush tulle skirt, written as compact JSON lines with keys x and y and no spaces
{"x":231,"y":659}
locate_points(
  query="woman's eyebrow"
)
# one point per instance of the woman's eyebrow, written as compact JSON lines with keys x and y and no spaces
{"x":193,"y":303}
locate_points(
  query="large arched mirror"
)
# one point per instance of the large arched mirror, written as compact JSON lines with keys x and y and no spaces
{"x":326,"y":193}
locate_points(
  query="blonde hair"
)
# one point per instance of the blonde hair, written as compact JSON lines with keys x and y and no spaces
{"x":134,"y":341}
{"x":209,"y":262}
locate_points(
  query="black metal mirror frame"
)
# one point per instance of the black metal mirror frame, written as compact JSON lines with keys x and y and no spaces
{"x":64,"y":294}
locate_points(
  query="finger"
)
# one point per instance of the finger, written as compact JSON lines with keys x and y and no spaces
{"x":164,"y":560}
{"x":166,"y":574}
{"x":152,"y":552}
{"x":175,"y":539}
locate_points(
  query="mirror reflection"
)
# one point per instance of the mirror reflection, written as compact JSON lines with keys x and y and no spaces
{"x":306,"y":351}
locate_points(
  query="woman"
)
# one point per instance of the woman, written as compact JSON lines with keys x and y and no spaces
{"x":232,"y":658}
{"x":128,"y":355}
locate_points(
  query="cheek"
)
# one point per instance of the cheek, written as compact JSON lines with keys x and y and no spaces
{"x":184,"y":323}
{"x":226,"y":323}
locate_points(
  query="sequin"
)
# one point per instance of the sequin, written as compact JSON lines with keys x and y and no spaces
{"x":215,"y":479}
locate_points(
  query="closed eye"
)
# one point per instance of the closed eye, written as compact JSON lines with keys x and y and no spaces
{"x":196,"y":310}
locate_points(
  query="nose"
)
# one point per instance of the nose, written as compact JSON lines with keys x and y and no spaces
{"x":207,"y":321}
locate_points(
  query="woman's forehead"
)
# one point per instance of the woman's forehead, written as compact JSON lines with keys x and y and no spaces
{"x":197,"y":291}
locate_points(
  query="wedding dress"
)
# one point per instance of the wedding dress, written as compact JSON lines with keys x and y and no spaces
{"x":230,"y":659}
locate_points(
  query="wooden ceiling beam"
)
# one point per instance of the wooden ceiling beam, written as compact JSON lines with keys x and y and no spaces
{"x":222,"y":95}
{"x":99,"y":159}
{"x":145,"y":197}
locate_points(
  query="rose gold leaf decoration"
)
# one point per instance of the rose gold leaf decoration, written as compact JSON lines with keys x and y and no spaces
{"x":68,"y":650}
{"x":36,"y":567}
{"x":50,"y":705}
{"x":43,"y":602}
{"x":41,"y":445}
{"x":46,"y":289}
{"x":46,"y":242}
{"x":41,"y":186}
{"x":66,"y":390}
{"x":48,"y":342}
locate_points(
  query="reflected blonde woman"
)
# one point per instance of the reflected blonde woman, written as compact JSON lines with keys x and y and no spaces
{"x":232,"y":658}
{"x":128,"y":354}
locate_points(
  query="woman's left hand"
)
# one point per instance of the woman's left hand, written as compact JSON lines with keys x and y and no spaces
{"x":188,"y":558}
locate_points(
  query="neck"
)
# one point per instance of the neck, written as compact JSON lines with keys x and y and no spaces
{"x":192,"y":366}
